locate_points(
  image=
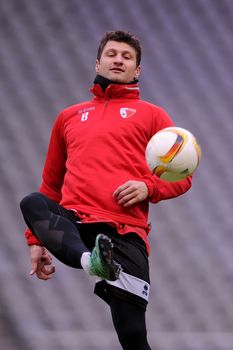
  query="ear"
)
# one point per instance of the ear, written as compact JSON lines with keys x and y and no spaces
{"x":137,"y":72}
{"x":97,"y":66}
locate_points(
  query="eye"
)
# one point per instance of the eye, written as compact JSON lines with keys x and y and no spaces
{"x":110,"y":54}
{"x":127,"y":56}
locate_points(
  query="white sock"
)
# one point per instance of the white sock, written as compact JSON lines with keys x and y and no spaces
{"x":85,"y":262}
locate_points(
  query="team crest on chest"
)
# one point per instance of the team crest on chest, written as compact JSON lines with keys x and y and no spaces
{"x":126,"y":112}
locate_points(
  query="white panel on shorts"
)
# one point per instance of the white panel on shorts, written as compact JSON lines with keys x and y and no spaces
{"x":132,"y":284}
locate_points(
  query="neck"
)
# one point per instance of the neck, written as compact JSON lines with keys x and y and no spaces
{"x":104,"y":82}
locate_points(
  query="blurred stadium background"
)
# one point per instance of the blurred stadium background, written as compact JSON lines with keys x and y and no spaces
{"x":47,"y":57}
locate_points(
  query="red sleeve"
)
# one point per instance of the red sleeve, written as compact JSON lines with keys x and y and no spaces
{"x":31,"y":239}
{"x":160,"y":189}
{"x":54,"y":170}
{"x":161,"y":120}
{"x":55,"y":163}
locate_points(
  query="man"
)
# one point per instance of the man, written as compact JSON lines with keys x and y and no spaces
{"x":92,"y":208}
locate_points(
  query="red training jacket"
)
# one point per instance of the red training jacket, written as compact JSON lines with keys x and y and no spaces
{"x":98,"y":145}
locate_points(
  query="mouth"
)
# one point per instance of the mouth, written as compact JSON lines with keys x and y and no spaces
{"x":116,"y":70}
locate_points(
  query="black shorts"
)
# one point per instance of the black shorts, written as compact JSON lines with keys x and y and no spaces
{"x":130,"y":251}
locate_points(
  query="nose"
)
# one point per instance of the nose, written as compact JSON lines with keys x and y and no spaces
{"x":118,"y":59}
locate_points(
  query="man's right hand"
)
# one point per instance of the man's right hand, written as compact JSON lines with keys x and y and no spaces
{"x":41,"y":262}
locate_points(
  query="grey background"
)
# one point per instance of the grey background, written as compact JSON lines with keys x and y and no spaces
{"x":47,"y":57}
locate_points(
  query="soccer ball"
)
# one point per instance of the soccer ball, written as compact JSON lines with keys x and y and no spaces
{"x":173,"y":154}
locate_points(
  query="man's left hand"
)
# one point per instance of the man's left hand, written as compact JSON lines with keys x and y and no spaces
{"x":130,"y":193}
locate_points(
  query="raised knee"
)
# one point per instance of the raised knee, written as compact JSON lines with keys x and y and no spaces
{"x":29,"y":201}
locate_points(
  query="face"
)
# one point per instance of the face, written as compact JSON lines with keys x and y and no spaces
{"x":118,"y":62}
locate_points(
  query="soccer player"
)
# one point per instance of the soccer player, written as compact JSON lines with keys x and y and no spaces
{"x":91,"y":211}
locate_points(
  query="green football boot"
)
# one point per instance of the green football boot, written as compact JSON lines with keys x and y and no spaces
{"x":101,"y":261}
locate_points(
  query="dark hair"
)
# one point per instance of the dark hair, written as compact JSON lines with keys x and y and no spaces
{"x":121,"y":36}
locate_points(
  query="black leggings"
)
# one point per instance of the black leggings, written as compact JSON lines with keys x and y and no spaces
{"x":57,"y":230}
{"x":55,"y":227}
{"x":130,"y":324}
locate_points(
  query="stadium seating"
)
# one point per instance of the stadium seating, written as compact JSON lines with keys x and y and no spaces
{"x":47,"y":56}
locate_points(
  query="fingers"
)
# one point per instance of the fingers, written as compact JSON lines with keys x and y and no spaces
{"x":127,"y":201}
{"x":35,"y":253}
{"x":131,"y":193}
{"x":33,"y":268}
{"x":44,"y":272}
{"x":48,"y":270}
{"x":127,"y":198}
{"x":120,"y":189}
{"x":41,"y":263}
{"x":46,"y":259}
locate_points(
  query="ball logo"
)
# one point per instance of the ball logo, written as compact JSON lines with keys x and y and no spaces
{"x":127,"y":112}
{"x":180,"y":142}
